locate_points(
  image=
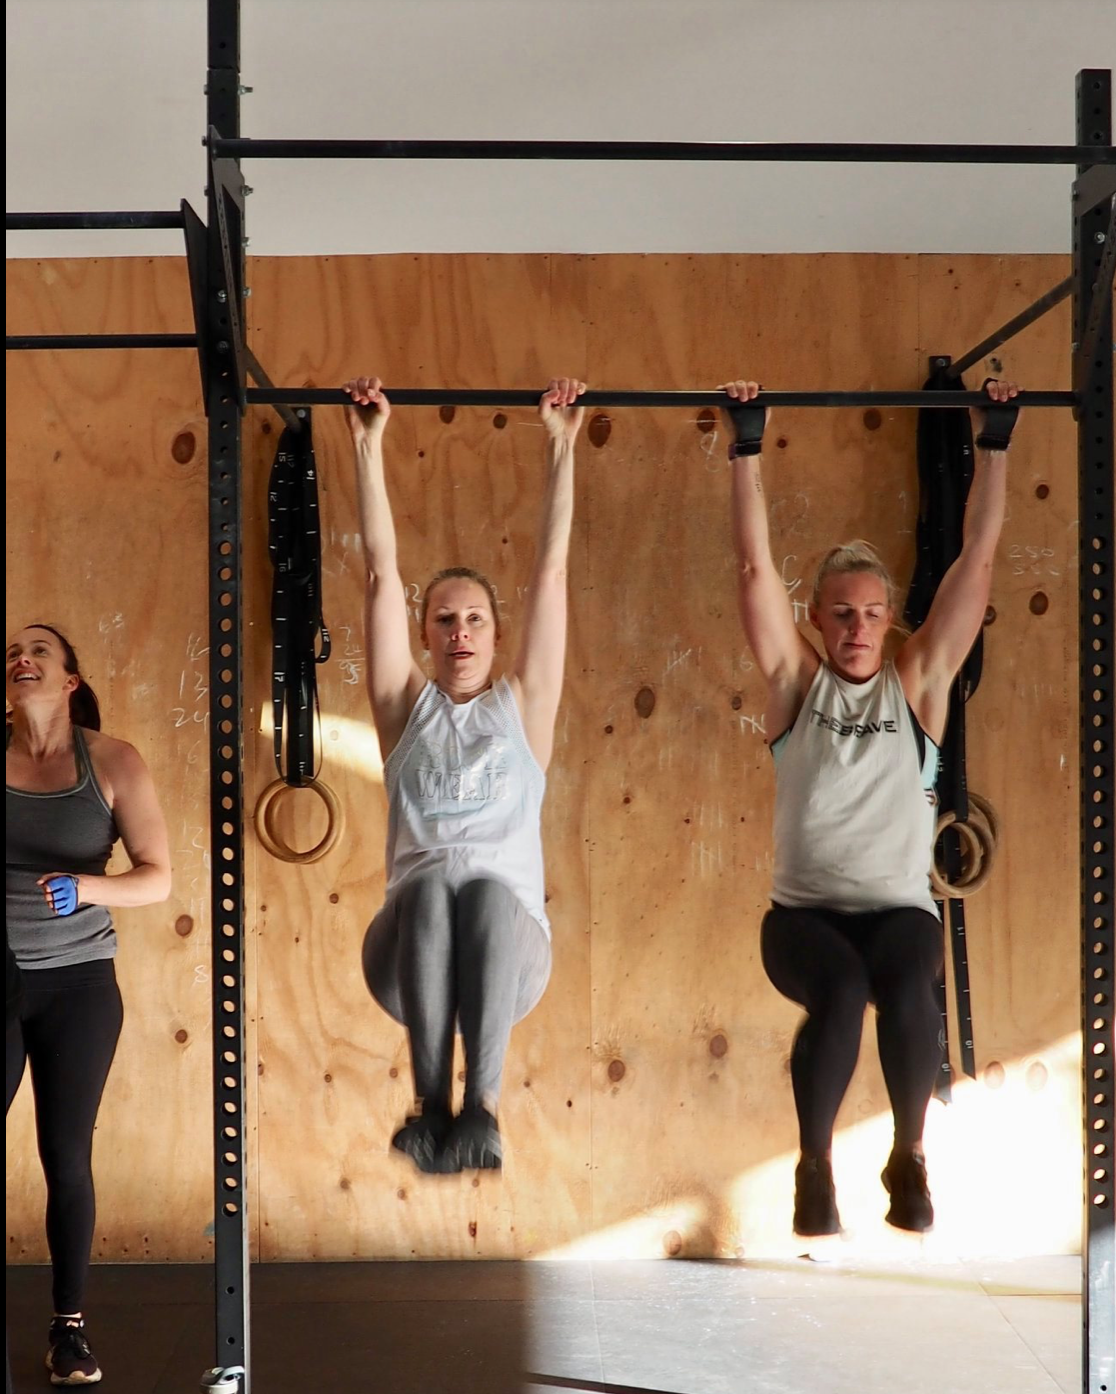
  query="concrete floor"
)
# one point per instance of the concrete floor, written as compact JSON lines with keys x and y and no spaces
{"x":674,"y":1327}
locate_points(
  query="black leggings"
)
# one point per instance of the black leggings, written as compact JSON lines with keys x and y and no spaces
{"x":834,"y":965}
{"x":67,"y":1029}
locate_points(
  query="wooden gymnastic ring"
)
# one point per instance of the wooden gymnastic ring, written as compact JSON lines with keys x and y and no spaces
{"x":969,"y":847}
{"x":265,"y":829}
{"x":989,"y":814}
{"x":971,"y":855}
{"x":980,"y":834}
{"x":984,"y":822}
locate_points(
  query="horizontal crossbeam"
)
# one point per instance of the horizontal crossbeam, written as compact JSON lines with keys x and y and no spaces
{"x":101,"y":341}
{"x":26,"y":222}
{"x":484,"y":397}
{"x":244,"y":148}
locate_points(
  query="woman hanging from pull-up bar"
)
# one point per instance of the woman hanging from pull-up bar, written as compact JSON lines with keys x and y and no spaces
{"x":855,"y":740}
{"x":462,"y":939}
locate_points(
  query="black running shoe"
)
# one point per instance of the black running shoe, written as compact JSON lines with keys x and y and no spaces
{"x":904,"y":1180}
{"x":423,"y":1138}
{"x":474,"y":1141}
{"x":815,"y":1200}
{"x":69,"y":1358}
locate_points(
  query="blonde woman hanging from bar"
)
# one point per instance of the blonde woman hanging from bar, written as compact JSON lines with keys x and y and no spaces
{"x":855,"y":741}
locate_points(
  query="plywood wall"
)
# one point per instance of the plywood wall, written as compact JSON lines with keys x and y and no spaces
{"x":646,"y":1106}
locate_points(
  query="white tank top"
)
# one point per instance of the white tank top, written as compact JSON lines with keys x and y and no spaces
{"x":854,"y":804}
{"x":465,"y":796}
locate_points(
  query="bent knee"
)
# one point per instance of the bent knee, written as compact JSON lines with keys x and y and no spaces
{"x":842,"y":998}
{"x":488,"y":894}
{"x":425,"y":888}
{"x":486,"y":911}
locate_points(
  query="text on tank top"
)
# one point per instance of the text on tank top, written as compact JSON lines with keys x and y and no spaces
{"x":465,"y":796}
{"x":855,"y":807}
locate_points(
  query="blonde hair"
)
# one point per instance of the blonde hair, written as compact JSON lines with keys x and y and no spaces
{"x":460,"y":573}
{"x":855,"y":556}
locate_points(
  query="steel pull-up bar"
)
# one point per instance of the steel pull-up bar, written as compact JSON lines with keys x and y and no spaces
{"x":100,"y":341}
{"x":46,"y":222}
{"x":485,"y":397}
{"x":243,"y":148}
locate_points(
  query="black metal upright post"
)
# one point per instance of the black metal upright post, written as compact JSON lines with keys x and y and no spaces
{"x":1091,"y":230}
{"x":223,"y":405}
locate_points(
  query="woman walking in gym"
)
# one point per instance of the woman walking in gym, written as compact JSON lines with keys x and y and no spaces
{"x":463,"y":938}
{"x":71,"y":793}
{"x":855,"y":740}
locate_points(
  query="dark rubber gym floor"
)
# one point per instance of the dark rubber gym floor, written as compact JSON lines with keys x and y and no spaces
{"x":678,"y":1327}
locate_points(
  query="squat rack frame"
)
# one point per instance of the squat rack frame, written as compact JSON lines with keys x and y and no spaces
{"x":215,"y":259}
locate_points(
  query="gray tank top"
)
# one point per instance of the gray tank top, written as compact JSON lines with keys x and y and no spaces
{"x":855,"y":807}
{"x":465,"y":796}
{"x":68,"y":830}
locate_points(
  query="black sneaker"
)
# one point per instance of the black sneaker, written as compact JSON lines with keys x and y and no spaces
{"x":474,"y":1141}
{"x":69,"y":1358}
{"x":423,"y":1138}
{"x":904,"y":1180}
{"x":815,"y":1200}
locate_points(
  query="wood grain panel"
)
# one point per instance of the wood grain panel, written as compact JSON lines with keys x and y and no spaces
{"x":646,"y":1106}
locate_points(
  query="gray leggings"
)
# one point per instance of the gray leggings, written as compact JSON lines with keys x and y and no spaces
{"x":436,"y":959}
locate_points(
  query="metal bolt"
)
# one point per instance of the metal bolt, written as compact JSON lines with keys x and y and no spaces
{"x":221,"y":296}
{"x":247,"y":189}
{"x":222,"y":346}
{"x":245,"y":90}
{"x":1098,"y":237}
{"x":247,"y":292}
{"x":245,"y":241}
{"x":301,"y":413}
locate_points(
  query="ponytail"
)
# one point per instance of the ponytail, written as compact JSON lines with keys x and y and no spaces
{"x":85,"y":710}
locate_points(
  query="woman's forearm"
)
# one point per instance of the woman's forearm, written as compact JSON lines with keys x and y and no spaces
{"x":750,"y":533}
{"x":377,"y":528}
{"x":987,"y":503}
{"x":143,"y":885}
{"x":558,"y":505}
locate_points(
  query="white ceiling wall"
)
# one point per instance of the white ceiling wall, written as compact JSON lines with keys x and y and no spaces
{"x":105,"y":110}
